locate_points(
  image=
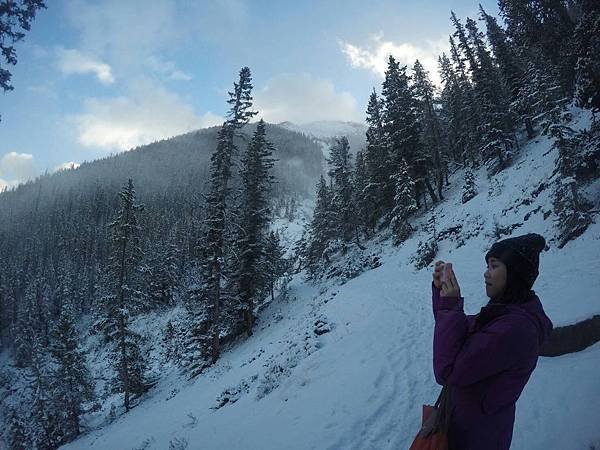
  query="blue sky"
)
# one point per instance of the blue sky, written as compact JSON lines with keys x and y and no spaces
{"x":100,"y":77}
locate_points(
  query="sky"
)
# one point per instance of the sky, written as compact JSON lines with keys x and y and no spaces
{"x":96,"y":78}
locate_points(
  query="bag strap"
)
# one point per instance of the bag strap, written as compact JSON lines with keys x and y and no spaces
{"x":444,"y":406}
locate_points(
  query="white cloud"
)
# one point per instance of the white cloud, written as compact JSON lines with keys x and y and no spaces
{"x":167,"y":69}
{"x":210,"y":120}
{"x":16,"y":168}
{"x":148,"y":114}
{"x":301,"y":98}
{"x":72,"y":61}
{"x":18,"y":165}
{"x":375,"y":57}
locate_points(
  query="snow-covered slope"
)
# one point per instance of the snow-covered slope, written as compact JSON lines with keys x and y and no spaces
{"x":347,"y":364}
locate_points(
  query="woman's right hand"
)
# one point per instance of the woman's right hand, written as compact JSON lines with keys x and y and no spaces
{"x":437,"y":274}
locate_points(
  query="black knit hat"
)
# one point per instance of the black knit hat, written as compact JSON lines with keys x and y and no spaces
{"x":521,"y":255}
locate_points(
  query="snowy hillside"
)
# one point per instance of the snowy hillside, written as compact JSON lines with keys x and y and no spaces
{"x":347,"y":363}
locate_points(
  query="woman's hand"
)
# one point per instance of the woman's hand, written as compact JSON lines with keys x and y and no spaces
{"x":450,"y":287}
{"x":437,"y":274}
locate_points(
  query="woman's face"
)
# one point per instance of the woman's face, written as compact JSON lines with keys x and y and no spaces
{"x":495,"y":278}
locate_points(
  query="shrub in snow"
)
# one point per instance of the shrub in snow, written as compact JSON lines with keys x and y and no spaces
{"x":321,"y":327}
{"x":425,"y":255}
{"x":178,"y":444}
{"x":469,"y":190}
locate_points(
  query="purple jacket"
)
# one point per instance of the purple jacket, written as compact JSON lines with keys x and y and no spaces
{"x":486,"y":360}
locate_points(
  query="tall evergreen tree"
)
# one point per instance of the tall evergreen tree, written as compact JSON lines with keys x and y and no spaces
{"x":405,"y":204}
{"x":239,"y":114}
{"x":496,"y":127}
{"x":541,"y":29}
{"x":378,"y":192}
{"x":359,"y":188}
{"x":72,"y":381}
{"x":124,"y":257}
{"x":403,"y":130}
{"x":340,"y":171}
{"x":322,"y":228}
{"x":512,"y":67}
{"x":465,"y":111}
{"x":274,"y":261}
{"x":431,"y":127}
{"x":255,"y":216}
{"x":586,"y":45}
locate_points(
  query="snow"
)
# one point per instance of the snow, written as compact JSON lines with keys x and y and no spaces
{"x":361,"y":384}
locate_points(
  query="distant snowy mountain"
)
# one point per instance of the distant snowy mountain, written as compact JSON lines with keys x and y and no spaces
{"x":346,"y":362}
{"x":327,"y":130}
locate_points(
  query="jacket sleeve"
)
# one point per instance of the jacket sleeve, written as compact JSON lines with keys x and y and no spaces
{"x":460,"y":359}
{"x":449,"y":333}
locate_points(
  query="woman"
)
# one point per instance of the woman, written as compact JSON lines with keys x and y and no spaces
{"x":487,"y":359}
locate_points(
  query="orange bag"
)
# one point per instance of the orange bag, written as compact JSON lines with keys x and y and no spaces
{"x":433,"y":434}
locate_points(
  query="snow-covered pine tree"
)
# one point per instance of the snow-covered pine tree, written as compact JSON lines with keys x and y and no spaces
{"x":403,"y":130}
{"x":570,"y":206}
{"x":542,"y":30}
{"x":44,"y":430}
{"x":586,"y":43}
{"x":322,"y":228}
{"x":340,"y":171}
{"x":17,"y":438}
{"x":544,"y":92}
{"x":24,"y":334}
{"x":512,"y":67}
{"x":274,"y":261}
{"x":239,"y":114}
{"x":469,"y":188}
{"x":254,"y":218}
{"x":464,"y":109}
{"x":497,"y":123}
{"x":125,"y":255}
{"x":359,"y":184}
{"x":431,"y":128}
{"x":405,"y":204}
{"x":72,"y":383}
{"x":379,"y":192}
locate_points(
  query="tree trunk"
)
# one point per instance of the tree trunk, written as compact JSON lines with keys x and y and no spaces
{"x":529,"y":127}
{"x":434,"y":198}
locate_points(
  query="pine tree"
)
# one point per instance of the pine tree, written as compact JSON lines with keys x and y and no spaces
{"x":46,"y":432}
{"x":512,"y":67}
{"x":239,"y":114}
{"x":378,"y":192}
{"x":124,"y":257}
{"x":405,"y":204}
{"x":403,"y":131}
{"x":542,"y":29}
{"x":469,"y":188}
{"x":463,"y":108}
{"x":255,"y":216}
{"x":432,"y":130}
{"x":359,"y":185}
{"x":340,"y":171}
{"x":275,"y":263}
{"x":586,"y":43}
{"x":17,"y":438}
{"x":571,"y":207}
{"x":72,"y":381}
{"x":496,"y":126}
{"x":322,"y":228}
